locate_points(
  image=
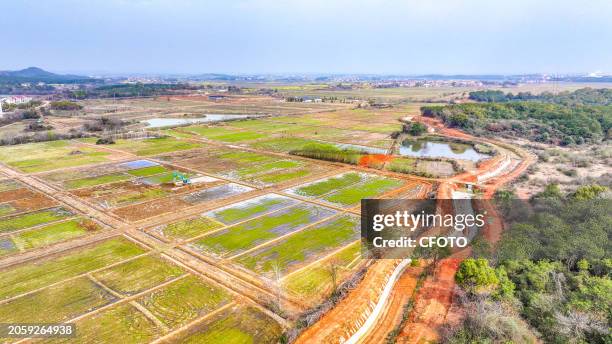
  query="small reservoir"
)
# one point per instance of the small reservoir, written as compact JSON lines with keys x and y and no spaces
{"x":440,"y":149}
{"x":174,"y":122}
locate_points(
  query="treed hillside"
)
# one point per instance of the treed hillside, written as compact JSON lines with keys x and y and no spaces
{"x":549,"y":279}
{"x":583,"y":96}
{"x":543,"y":122}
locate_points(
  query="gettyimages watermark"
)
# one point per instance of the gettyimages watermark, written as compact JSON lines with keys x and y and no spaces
{"x":403,"y":228}
{"x":417,"y":228}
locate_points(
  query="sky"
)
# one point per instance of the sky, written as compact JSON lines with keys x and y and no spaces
{"x":307,"y":36}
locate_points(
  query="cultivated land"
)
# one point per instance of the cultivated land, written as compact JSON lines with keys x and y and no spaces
{"x":101,"y":235}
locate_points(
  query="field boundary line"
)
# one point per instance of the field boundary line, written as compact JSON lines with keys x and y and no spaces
{"x":150,"y":316}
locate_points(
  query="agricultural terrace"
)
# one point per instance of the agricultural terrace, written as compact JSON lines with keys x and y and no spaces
{"x":117,"y":291}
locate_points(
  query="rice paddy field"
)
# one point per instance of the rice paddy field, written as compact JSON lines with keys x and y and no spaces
{"x":189,"y":237}
{"x":118,"y":291}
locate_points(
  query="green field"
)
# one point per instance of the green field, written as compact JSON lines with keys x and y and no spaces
{"x":328,"y":185}
{"x":46,"y":156}
{"x":210,"y":132}
{"x":36,"y":218}
{"x":267,"y":167}
{"x":147,"y":171}
{"x":250,"y":208}
{"x":53,"y":233}
{"x":253,"y":232}
{"x":244,"y":157}
{"x":371,"y":188}
{"x":312,"y":282}
{"x":29,"y":276}
{"x":224,"y":133}
{"x":239,"y":136}
{"x":121,"y":324}
{"x":186,"y":229}
{"x":137,"y":275}
{"x":279,"y":177}
{"x":287,"y":144}
{"x":238,"y":325}
{"x":303,"y":246}
{"x":154,"y":146}
{"x":184,"y":300}
{"x":57,"y":303}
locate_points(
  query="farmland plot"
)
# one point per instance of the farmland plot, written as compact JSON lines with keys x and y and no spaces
{"x":246,"y":235}
{"x":138,"y":274}
{"x":187,"y":228}
{"x":302,"y":247}
{"x":46,"y":156}
{"x":250,"y":208}
{"x":184,"y":300}
{"x":32,"y":275}
{"x":239,"y":324}
{"x":315,"y":282}
{"x":22,"y":221}
{"x":46,"y":235}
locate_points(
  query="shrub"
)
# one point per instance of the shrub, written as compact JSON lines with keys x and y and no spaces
{"x":65,"y":105}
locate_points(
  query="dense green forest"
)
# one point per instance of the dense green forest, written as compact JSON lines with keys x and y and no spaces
{"x":551,"y":277}
{"x":543,"y":122}
{"x":583,"y":96}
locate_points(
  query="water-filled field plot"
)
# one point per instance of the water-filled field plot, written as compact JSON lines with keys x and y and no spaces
{"x":303,"y":247}
{"x":245,"y":210}
{"x":189,"y":228}
{"x":248,"y":234}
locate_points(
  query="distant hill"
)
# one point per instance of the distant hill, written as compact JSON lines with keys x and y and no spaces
{"x":35,"y":74}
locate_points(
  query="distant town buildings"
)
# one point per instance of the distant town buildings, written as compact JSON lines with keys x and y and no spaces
{"x":13,"y":100}
{"x":16,"y":99}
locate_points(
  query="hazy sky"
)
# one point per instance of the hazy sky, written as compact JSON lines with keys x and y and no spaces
{"x":307,"y":36}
